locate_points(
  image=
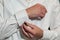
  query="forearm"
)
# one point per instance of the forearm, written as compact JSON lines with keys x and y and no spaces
{"x":7,"y":27}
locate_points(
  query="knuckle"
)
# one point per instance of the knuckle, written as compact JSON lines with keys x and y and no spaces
{"x":42,"y":16}
{"x":34,"y":33}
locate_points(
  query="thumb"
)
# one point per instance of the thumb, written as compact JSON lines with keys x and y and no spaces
{"x":29,"y":24}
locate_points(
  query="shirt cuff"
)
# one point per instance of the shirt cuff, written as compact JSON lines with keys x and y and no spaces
{"x":21,"y":17}
{"x":49,"y":34}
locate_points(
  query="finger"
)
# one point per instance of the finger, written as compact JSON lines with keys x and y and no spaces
{"x":44,"y":10}
{"x":32,"y":36}
{"x":28,"y":29}
{"x":42,"y":15}
{"x":24,"y":32}
{"x":30,"y":25}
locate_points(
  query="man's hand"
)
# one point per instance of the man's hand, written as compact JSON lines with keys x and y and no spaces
{"x":36,"y":11}
{"x":32,"y":31}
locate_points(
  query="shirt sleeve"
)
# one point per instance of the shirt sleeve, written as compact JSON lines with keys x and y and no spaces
{"x":54,"y":33}
{"x":17,"y":9}
{"x":21,"y":16}
{"x":7,"y":26}
{"x":8,"y":20}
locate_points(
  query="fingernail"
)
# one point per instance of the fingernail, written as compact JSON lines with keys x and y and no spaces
{"x":25,"y":23}
{"x":29,"y":27}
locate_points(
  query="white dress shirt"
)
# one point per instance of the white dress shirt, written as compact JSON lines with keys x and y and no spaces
{"x":13,"y":15}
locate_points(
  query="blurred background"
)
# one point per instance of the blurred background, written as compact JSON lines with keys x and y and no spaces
{"x":59,"y":0}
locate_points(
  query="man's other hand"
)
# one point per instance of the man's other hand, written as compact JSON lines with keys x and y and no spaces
{"x":36,"y":11}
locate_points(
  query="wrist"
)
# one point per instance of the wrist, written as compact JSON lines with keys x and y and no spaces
{"x":28,"y":12}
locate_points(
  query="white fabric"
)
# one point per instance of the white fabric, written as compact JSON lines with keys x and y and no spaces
{"x":13,"y":15}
